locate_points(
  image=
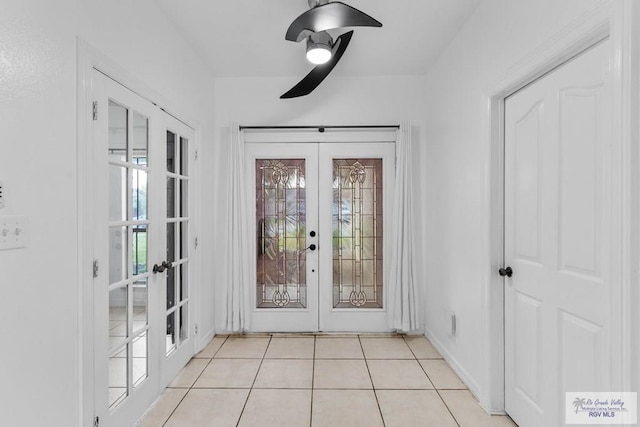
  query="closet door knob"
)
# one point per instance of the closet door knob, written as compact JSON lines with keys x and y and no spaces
{"x":505,"y":272}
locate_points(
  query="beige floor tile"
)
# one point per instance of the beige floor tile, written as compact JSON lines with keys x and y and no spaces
{"x":386,"y":348}
{"x":230,"y":373}
{"x":210,"y":350}
{"x":441,"y":375}
{"x":281,"y":408}
{"x":422,"y":348}
{"x":285,"y":373}
{"x":353,"y":408}
{"x":161,"y":410}
{"x":340,"y":373}
{"x":290,"y":348}
{"x":338,"y":348}
{"x":241,"y":347}
{"x":206,"y":407}
{"x":467,"y":411}
{"x":189,"y":374}
{"x":398,"y":374}
{"x":424,"y":408}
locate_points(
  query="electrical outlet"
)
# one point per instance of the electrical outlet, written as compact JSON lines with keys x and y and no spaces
{"x":1,"y":195}
{"x":13,"y":232}
{"x":453,"y":323}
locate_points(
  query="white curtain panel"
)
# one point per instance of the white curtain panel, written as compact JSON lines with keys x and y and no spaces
{"x":240,"y":271}
{"x":402,"y":298}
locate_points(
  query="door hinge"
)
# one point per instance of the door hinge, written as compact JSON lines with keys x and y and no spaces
{"x":96,"y":268}
{"x":196,"y":329}
{"x":95,"y":110}
{"x":196,"y":154}
{"x":195,"y":243}
{"x":96,"y":421}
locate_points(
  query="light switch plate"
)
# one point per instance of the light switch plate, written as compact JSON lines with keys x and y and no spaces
{"x":13,"y":232}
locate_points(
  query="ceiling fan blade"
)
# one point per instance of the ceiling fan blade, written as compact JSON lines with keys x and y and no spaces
{"x":326,"y":17}
{"x":320,"y":72}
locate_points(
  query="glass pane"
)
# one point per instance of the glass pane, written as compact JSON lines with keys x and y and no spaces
{"x":139,"y":195}
{"x":183,"y":276}
{"x":357,"y":233}
{"x":118,"y":315}
{"x":184,"y":323}
{"x":171,"y":287}
{"x":281,"y":219}
{"x":117,"y":193}
{"x":184,"y":195}
{"x":118,"y":128}
{"x":117,"y":254}
{"x":140,"y":138}
{"x":171,"y":242}
{"x":171,"y":151}
{"x":140,"y":356}
{"x":139,"y":249}
{"x":183,"y":240}
{"x":171,"y":197}
{"x":171,"y":335}
{"x":118,"y":377}
{"x":184,"y":156}
{"x":140,"y":304}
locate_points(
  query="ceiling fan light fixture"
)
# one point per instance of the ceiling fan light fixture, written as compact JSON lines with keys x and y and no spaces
{"x":319,"y":48}
{"x":318,"y":54}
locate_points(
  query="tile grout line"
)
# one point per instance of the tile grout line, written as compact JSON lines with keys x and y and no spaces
{"x":373,"y":387}
{"x":313,"y":378}
{"x":194,"y":382}
{"x":455,"y":420}
{"x":254,"y":380}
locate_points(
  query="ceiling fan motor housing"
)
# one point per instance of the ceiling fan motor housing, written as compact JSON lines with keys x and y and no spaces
{"x":316,"y":3}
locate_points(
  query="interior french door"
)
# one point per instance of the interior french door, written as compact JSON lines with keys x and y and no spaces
{"x":141,"y":222}
{"x":320,"y":235}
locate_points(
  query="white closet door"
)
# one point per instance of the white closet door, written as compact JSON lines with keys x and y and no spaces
{"x":560,"y":229}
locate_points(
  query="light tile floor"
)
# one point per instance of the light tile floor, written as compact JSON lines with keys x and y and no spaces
{"x":318,"y":381}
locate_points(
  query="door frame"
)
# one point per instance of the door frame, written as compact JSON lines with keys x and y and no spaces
{"x":88,"y":60}
{"x":360,"y":134}
{"x":605,"y":20}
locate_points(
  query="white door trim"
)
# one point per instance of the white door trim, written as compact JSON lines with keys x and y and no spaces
{"x":88,"y":60}
{"x":605,"y":19}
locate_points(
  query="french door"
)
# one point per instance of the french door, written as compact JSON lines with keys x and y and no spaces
{"x":320,"y":229}
{"x":141,"y":207}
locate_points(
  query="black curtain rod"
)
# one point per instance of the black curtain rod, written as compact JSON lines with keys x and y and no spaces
{"x":321,"y":128}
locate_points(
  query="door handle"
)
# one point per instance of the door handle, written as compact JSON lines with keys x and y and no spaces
{"x":162,"y":267}
{"x":312,"y":247}
{"x":505,"y":272}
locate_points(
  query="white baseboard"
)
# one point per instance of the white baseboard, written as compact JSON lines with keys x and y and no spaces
{"x":467,"y":379}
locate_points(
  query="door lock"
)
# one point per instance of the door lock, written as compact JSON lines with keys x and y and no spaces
{"x":312,"y":247}
{"x":162,"y":267}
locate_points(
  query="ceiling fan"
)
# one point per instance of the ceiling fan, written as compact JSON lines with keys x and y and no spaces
{"x":322,"y":50}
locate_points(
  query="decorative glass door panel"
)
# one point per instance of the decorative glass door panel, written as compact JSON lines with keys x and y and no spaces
{"x":357,"y":230}
{"x":319,"y":222}
{"x":281,"y":225}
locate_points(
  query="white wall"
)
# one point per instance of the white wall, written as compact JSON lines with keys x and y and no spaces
{"x":39,"y":363}
{"x":458,"y":266}
{"x":337,"y":101}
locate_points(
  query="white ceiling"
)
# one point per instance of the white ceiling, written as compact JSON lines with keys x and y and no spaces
{"x":245,"y":38}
